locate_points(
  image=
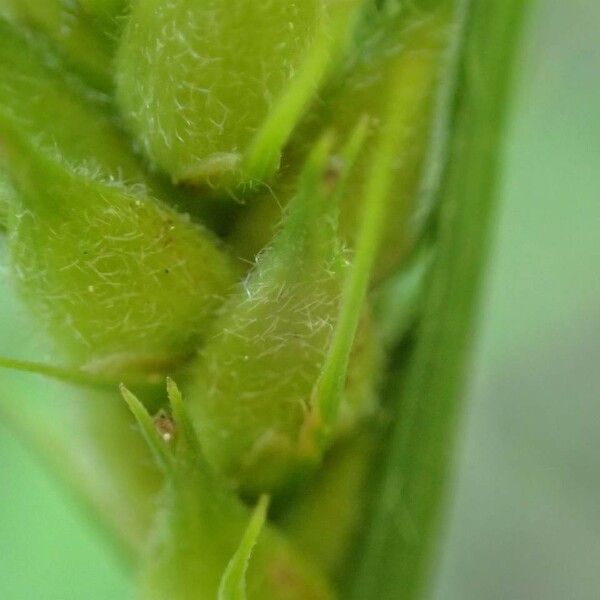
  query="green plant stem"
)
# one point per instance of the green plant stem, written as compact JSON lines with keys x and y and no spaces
{"x":401,"y":538}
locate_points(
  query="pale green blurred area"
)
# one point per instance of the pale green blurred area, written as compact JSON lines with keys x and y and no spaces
{"x":525,"y":523}
{"x":525,"y":519}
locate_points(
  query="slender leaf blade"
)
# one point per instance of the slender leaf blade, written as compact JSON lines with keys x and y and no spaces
{"x":406,"y":516}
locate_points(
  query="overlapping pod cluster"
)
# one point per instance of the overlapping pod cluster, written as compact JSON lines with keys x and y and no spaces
{"x":325,"y":103}
{"x":116,"y":275}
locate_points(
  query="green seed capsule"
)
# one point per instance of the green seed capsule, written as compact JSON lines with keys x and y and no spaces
{"x":213,"y":89}
{"x":397,"y":61}
{"x":115,"y":276}
{"x":82,"y":33}
{"x":251,"y":396}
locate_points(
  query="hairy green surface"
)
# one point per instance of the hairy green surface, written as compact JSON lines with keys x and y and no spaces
{"x":205,"y":86}
{"x":113,"y":274}
{"x":51,"y":109}
{"x":394,"y":59}
{"x":254,"y":379}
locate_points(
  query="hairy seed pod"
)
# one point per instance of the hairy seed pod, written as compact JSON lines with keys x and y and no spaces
{"x":57,"y":111}
{"x":82,"y":33}
{"x":209,"y":111}
{"x":253,"y":382}
{"x":397,"y":59}
{"x":115,"y":275}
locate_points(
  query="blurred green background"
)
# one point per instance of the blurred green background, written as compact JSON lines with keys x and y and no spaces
{"x":524,"y":522}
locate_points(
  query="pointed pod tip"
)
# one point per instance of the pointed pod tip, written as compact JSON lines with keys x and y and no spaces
{"x":172,"y":388}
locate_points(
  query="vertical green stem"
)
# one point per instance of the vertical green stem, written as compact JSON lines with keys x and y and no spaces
{"x":402,"y":535}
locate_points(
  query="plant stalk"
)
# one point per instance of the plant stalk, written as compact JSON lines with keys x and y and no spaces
{"x":404,"y":531}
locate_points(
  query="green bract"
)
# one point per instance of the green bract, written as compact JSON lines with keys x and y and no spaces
{"x":201,"y":530}
{"x":116,"y":276}
{"x":213,"y":89}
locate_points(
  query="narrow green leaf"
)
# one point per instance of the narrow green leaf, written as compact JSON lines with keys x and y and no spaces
{"x":401,"y":538}
{"x":158,"y":446}
{"x":184,"y":425}
{"x":233,"y":582}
